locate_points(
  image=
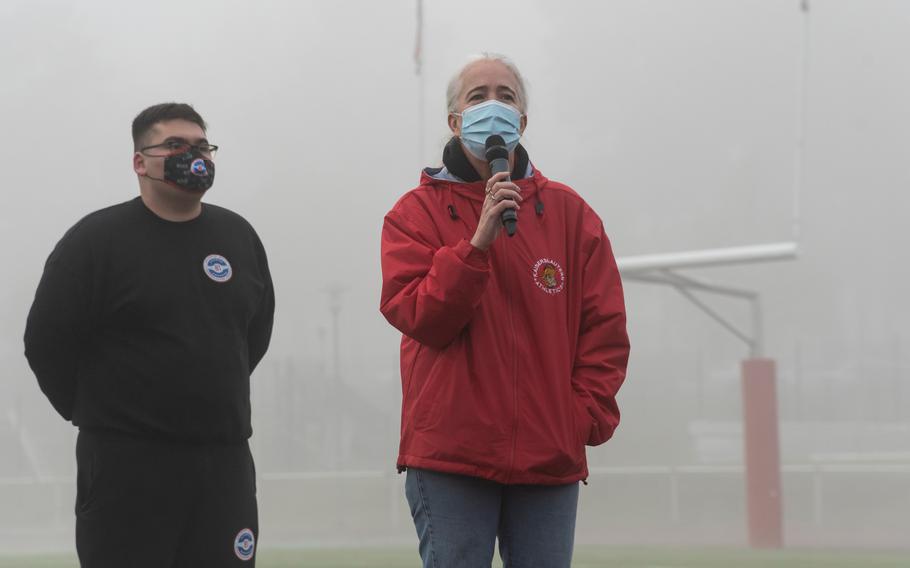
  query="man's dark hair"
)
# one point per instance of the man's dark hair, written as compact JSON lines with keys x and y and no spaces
{"x":151,"y":116}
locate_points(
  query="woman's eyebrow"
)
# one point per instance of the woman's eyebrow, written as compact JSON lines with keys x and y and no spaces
{"x":480,"y":88}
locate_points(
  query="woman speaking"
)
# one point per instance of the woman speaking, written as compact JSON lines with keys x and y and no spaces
{"x":513,"y":346}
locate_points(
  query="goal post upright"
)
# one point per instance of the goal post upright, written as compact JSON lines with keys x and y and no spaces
{"x":761,"y":441}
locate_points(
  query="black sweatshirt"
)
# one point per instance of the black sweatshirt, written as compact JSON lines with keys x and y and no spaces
{"x":151,"y":328}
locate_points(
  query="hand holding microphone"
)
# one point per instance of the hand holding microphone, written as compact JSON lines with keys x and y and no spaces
{"x":498,"y":157}
{"x":502,"y":200}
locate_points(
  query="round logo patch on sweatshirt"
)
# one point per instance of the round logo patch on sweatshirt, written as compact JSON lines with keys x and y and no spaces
{"x":245,"y":544}
{"x":217,"y":268}
{"x":549,"y":276}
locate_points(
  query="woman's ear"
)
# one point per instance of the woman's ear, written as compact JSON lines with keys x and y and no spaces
{"x":523,"y":124}
{"x":455,"y":124}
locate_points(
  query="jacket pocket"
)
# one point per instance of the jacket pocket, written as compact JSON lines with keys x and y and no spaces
{"x":584,"y":422}
{"x":430,"y":387}
{"x":426,"y":407}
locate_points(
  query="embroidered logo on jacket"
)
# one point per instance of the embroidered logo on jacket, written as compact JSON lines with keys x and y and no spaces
{"x":549,"y":276}
{"x":217,"y":268}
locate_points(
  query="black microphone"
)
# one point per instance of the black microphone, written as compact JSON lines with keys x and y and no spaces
{"x":498,"y":157}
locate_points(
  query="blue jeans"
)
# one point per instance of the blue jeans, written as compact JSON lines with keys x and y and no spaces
{"x":458,"y":519}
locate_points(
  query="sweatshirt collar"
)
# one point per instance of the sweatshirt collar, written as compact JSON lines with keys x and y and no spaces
{"x":441,"y":178}
{"x":457,"y":163}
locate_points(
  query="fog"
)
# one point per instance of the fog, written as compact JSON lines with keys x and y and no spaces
{"x":679,"y":121}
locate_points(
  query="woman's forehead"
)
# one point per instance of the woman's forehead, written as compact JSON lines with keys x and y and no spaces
{"x":488,"y":73}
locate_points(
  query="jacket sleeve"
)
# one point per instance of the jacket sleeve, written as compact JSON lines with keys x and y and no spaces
{"x":259,"y":333}
{"x":429,"y":291}
{"x":603,"y":344}
{"x":55,"y":335}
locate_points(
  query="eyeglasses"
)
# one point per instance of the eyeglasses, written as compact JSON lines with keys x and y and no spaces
{"x":179,"y":147}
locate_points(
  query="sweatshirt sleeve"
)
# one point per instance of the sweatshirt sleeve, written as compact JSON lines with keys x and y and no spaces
{"x":603,"y":345}
{"x":429,"y":291}
{"x":56,"y":333}
{"x":260,"y":330}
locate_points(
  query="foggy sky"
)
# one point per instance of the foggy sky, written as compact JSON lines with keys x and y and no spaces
{"x":676,"y":120}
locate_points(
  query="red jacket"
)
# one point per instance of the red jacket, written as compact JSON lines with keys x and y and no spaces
{"x":510,"y":358}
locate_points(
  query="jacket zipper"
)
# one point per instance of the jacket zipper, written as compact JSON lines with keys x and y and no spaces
{"x":514,"y":385}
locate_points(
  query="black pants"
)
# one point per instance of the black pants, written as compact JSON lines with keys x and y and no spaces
{"x":148,"y":504}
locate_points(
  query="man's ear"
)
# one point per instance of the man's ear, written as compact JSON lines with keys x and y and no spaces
{"x":139,"y":165}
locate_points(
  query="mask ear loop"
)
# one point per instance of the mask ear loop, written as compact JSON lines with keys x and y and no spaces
{"x":166,"y":156}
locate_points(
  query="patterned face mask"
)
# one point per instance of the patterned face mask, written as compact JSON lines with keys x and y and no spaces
{"x":481,"y":121}
{"x":188,"y":171}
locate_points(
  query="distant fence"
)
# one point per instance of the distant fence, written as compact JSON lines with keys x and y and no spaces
{"x":844,"y":505}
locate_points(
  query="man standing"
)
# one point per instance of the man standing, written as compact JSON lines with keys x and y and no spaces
{"x":147,"y":323}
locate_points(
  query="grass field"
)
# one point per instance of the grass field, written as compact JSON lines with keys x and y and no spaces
{"x":587,"y":557}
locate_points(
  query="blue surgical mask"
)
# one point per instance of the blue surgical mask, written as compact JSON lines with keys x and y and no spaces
{"x":480,"y":121}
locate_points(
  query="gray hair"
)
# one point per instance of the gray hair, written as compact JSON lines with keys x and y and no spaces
{"x":456,"y":82}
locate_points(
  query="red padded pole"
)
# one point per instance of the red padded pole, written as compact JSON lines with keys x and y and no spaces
{"x":760,"y":437}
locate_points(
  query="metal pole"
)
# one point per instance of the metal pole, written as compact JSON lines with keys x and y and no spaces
{"x":421,"y":85}
{"x":758,"y":329}
{"x":716,"y":317}
{"x":335,"y":310}
{"x":674,"y":495}
{"x":818,"y":508}
{"x":897,"y":391}
{"x":798,"y":382}
{"x":336,"y":358}
{"x":802,"y":89}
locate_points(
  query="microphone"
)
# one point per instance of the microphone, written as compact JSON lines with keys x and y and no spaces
{"x":498,"y":157}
